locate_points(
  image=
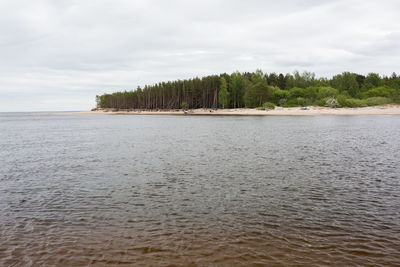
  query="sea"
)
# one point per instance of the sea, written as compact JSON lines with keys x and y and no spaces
{"x":162,"y":190}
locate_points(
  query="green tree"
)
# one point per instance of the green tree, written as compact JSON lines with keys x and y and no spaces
{"x":372,"y":80}
{"x":346,"y":82}
{"x":296,"y":92}
{"x":280,"y":96}
{"x":272,"y":79}
{"x":223,"y":95}
{"x":290,"y":82}
{"x":281,"y":81}
{"x":324,"y":92}
{"x":236,"y":87}
{"x":257,"y":91}
{"x":256,"y":88}
{"x":303,"y":80}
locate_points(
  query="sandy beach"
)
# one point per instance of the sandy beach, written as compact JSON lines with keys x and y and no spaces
{"x":278,"y":111}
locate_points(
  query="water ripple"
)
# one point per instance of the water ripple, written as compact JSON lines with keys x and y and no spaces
{"x":84,"y":190}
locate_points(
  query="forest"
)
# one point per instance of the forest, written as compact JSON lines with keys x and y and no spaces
{"x":259,"y":90}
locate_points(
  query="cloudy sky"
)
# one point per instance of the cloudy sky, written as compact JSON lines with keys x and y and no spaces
{"x":57,"y":55}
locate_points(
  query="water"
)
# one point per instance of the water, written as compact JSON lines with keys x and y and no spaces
{"x":179,"y":190}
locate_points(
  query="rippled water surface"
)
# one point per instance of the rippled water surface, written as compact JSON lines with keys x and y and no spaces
{"x":179,"y":190}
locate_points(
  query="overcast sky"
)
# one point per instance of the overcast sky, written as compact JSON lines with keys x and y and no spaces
{"x":57,"y":55}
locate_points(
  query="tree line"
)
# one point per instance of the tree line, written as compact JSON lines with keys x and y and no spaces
{"x":257,"y":89}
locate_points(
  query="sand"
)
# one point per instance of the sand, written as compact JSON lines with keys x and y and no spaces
{"x":278,"y":111}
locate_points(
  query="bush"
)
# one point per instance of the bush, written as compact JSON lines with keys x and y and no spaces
{"x":301,"y":101}
{"x":324,"y":92}
{"x":290,"y":105}
{"x":382,"y":91}
{"x":354,"y":103}
{"x":292,"y":102}
{"x":296,"y":92}
{"x":375,"y":101}
{"x":280,"y":94}
{"x":311,"y":92}
{"x":320,"y":102}
{"x":268,"y":105}
{"x":342,"y":98}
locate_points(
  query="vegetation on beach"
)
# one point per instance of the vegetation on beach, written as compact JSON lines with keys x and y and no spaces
{"x":260,"y":90}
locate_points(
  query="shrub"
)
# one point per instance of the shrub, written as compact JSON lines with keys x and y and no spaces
{"x":324,"y":92}
{"x":301,"y":101}
{"x":342,"y":98}
{"x":320,"y":102}
{"x":296,"y":92}
{"x":382,"y":91}
{"x":311,"y":92}
{"x":375,"y":101}
{"x":354,"y":103}
{"x":292,"y":102}
{"x":268,"y":105}
{"x":279,"y":94}
{"x":290,"y":105}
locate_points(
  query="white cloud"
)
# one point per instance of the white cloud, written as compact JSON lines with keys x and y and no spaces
{"x":57,"y":55}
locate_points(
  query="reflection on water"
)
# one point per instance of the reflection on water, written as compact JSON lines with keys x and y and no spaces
{"x":159,"y":190}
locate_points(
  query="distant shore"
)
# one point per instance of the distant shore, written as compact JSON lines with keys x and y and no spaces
{"x":278,"y":111}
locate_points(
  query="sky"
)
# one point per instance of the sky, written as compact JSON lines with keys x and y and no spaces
{"x":58,"y":55}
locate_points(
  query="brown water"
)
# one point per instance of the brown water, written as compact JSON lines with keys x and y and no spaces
{"x":175,"y":190}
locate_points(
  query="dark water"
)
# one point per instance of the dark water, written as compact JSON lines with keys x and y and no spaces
{"x":176,"y":190}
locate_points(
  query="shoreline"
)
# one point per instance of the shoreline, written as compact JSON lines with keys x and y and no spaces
{"x":278,"y":111}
